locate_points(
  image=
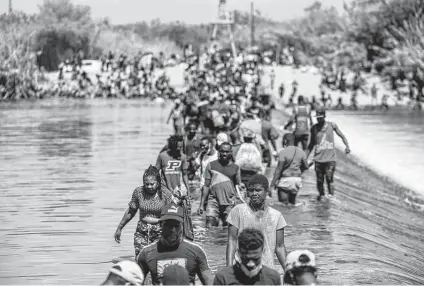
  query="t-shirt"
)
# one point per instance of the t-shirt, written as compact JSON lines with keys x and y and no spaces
{"x":191,"y":145}
{"x":298,"y":160}
{"x":205,"y":160}
{"x":233,"y":275}
{"x":268,"y":221}
{"x":222,"y":181}
{"x":171,"y":169}
{"x":155,"y":257}
{"x":148,"y":205}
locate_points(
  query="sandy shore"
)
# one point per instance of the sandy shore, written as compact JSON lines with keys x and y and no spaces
{"x":310,"y":79}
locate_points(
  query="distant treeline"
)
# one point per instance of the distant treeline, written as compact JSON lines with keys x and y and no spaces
{"x":384,"y":34}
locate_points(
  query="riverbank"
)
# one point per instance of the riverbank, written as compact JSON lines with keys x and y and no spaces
{"x":309,"y":80}
{"x":394,"y":130}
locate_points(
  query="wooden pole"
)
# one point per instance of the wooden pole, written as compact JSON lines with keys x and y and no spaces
{"x":252,"y":24}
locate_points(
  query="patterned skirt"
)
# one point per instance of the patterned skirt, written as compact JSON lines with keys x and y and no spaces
{"x":145,"y":235}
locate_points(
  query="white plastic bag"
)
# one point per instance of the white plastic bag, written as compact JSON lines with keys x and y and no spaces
{"x":249,"y":158}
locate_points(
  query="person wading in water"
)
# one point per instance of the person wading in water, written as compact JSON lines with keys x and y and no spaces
{"x":300,"y":268}
{"x":258,"y":215}
{"x":291,"y":164}
{"x":222,"y":177}
{"x":322,"y":138}
{"x":303,"y":119}
{"x":149,"y":200}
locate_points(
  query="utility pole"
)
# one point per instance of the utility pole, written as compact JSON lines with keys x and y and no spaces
{"x":252,"y":24}
{"x":225,"y":18}
{"x":10,"y":6}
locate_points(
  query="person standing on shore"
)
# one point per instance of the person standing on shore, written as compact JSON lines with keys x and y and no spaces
{"x":322,"y":138}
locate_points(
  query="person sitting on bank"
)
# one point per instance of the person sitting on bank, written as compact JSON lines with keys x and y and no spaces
{"x":300,"y":268}
{"x":248,"y":269}
{"x":291,"y":164}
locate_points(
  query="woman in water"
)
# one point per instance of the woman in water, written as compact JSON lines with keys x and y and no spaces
{"x":149,"y":200}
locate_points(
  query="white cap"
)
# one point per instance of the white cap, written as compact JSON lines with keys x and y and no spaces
{"x":221,"y":138}
{"x":300,"y":258}
{"x":129,"y":271}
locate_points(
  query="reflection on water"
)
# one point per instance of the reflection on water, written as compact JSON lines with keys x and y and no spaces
{"x":68,"y":171}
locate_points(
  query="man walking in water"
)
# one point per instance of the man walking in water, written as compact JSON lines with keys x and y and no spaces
{"x":302,"y":117}
{"x":322,"y":138}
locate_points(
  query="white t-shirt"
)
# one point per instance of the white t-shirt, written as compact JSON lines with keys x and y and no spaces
{"x":268,"y":221}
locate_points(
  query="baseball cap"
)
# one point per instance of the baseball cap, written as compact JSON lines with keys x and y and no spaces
{"x":129,"y":271}
{"x":175,"y":275}
{"x":221,"y":138}
{"x":172,"y":211}
{"x":320,"y":112}
{"x":300,"y":258}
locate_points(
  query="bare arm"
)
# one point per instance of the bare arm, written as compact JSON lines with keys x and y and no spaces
{"x":206,"y":277}
{"x":310,"y":118}
{"x":205,"y":190}
{"x":341,"y":135}
{"x":140,"y":260}
{"x":170,"y":115}
{"x":231,"y":245}
{"x":304,"y":165}
{"x":128,"y":216}
{"x":290,"y":122}
{"x":277,"y":173}
{"x":311,"y":143}
{"x":185,"y":181}
{"x":273,"y":144}
{"x":204,"y":194}
{"x":280,"y":248}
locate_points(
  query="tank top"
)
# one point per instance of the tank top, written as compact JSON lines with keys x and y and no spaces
{"x":302,"y":126}
{"x":325,"y":149}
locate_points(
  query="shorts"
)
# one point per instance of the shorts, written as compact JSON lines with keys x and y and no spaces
{"x":290,"y":184}
{"x":213,"y":209}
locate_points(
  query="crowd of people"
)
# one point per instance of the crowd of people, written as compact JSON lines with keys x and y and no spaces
{"x":225,"y":139}
{"x":403,"y":87}
{"x":117,"y":77}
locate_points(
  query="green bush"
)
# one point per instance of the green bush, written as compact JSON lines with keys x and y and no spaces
{"x":57,"y":44}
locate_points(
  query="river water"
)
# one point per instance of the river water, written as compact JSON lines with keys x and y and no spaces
{"x":68,"y":169}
